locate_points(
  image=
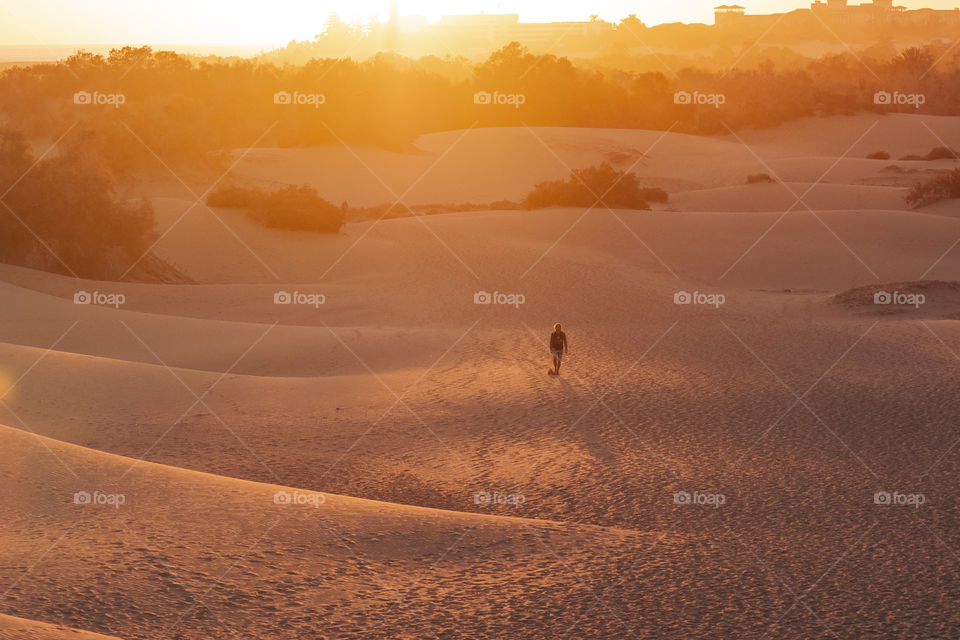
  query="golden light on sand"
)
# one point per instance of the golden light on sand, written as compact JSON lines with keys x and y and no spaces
{"x":479,"y":327}
{"x":6,"y":386}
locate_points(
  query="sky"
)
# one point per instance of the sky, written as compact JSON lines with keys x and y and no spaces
{"x":276,"y":22}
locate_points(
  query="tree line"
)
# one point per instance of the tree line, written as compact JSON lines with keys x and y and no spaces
{"x":182,"y":110}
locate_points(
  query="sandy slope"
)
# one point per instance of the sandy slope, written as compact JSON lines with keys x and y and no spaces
{"x":897,"y":134}
{"x":404,"y":395}
{"x":790,"y":196}
{"x":189,"y":553}
{"x":18,"y":629}
{"x":504,"y":163}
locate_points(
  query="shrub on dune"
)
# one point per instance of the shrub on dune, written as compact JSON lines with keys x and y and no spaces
{"x":937,"y":153}
{"x":943,"y":187}
{"x":759,"y":178}
{"x":879,"y":155}
{"x":63,"y":214}
{"x":942,"y":153}
{"x":292,"y":208}
{"x":598,"y":185}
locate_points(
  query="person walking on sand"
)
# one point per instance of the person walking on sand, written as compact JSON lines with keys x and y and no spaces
{"x":558,"y":347}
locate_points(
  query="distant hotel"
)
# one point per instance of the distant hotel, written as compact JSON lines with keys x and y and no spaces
{"x":467,"y":30}
{"x":479,"y":33}
{"x":840,"y":12}
{"x":484,"y":29}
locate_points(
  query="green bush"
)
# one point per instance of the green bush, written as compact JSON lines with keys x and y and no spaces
{"x":292,"y":208}
{"x":943,"y":187}
{"x":616,"y":189}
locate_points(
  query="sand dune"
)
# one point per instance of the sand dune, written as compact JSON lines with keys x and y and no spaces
{"x":794,"y":196}
{"x":505,"y":163}
{"x":946,"y":208}
{"x":897,"y":134}
{"x":213,"y":556}
{"x":18,"y":629}
{"x":927,"y":298}
{"x":399,"y":399}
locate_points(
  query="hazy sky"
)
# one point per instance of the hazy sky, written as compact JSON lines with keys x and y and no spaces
{"x":276,"y":22}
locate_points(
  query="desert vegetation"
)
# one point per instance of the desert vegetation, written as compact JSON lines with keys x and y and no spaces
{"x":292,"y":208}
{"x":397,"y":210}
{"x":759,"y":178}
{"x":937,"y":153}
{"x":942,"y":187}
{"x":303,"y":209}
{"x":178,"y":109}
{"x":116,"y":118}
{"x":64,"y":214}
{"x":594,"y":186}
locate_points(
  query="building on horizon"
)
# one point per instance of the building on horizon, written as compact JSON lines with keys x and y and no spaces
{"x":726,"y":13}
{"x":841,"y":12}
{"x":499,"y":28}
{"x":479,"y":34}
